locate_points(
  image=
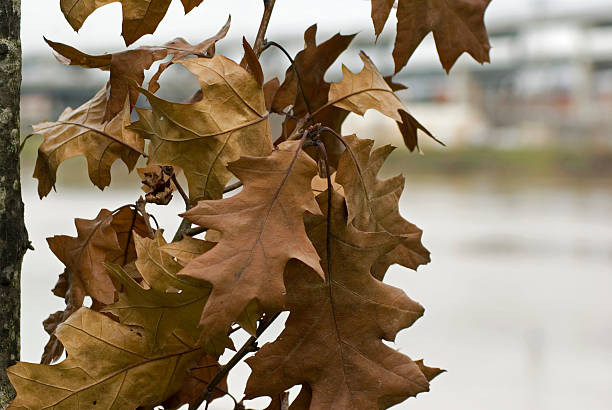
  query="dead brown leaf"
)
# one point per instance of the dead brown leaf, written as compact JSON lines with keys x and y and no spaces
{"x":140,"y":17}
{"x":373,"y":204}
{"x":157,"y":184}
{"x":368,"y":89}
{"x":164,"y":302}
{"x":127,"y":67}
{"x":261,"y":229}
{"x":457,"y":26}
{"x":203,"y":136}
{"x":332,"y":340}
{"x":81,"y":132}
{"x":110,"y":238}
{"x":311,"y":64}
{"x":109,"y":366}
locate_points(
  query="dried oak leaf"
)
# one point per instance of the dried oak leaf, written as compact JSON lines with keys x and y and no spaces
{"x":127,"y":67}
{"x":332,"y":340}
{"x":157,"y":184}
{"x":370,"y":90}
{"x":69,"y":287}
{"x":96,"y":243}
{"x":180,"y":48}
{"x":261,"y":229}
{"x":140,"y":17}
{"x":109,"y":366}
{"x":373,"y":204}
{"x":107,"y":238}
{"x":81,"y":132}
{"x":311,"y":64}
{"x":457,"y":26}
{"x":164,"y":302}
{"x":203,"y":136}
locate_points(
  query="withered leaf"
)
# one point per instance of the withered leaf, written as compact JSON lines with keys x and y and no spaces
{"x":332,"y":340}
{"x":180,"y":48}
{"x":109,"y":237}
{"x":96,"y":242}
{"x":203,"y":136}
{"x":157,"y":184}
{"x":69,"y":287}
{"x":311,"y":65}
{"x":457,"y":26}
{"x":127,"y":67}
{"x":370,"y":90}
{"x":373,"y":204}
{"x":261,"y":229}
{"x":81,"y":132}
{"x":140,"y":17}
{"x":168,"y":302}
{"x":251,"y":62}
{"x":109,"y":366}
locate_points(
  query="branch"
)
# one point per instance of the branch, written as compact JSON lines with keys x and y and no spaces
{"x":249,"y":347}
{"x":263,"y":26}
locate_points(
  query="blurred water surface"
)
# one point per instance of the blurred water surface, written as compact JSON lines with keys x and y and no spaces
{"x":517,"y":295}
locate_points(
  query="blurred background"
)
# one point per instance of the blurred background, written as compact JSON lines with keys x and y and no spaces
{"x":516,"y":210}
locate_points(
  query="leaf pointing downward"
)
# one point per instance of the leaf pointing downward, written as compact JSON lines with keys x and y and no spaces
{"x":109,"y":366}
{"x":373,"y":203}
{"x":261,"y":229}
{"x":333,"y":337}
{"x":127,"y":67}
{"x":81,"y":132}
{"x":140,"y":17}
{"x":457,"y":26}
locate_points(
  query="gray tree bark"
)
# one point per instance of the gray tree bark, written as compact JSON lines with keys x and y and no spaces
{"x":13,"y":236}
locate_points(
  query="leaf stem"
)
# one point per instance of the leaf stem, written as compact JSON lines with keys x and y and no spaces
{"x":181,"y":191}
{"x":295,"y":70}
{"x":323,"y":151}
{"x":263,"y":26}
{"x":195,"y":231}
{"x":249,"y":347}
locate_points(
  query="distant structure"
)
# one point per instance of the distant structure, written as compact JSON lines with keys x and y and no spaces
{"x":550,"y":82}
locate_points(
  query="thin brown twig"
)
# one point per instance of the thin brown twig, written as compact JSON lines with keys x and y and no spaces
{"x":249,"y":347}
{"x":323,"y":151}
{"x":141,"y":207}
{"x":263,"y":26}
{"x":195,"y":231}
{"x":181,"y":191}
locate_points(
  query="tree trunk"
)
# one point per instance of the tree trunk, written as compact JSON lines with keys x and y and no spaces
{"x":13,"y":236}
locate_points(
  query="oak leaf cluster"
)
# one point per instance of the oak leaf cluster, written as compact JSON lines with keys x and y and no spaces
{"x":312,"y":230}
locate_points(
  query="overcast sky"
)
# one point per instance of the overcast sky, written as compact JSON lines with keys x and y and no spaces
{"x":101,"y":31}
